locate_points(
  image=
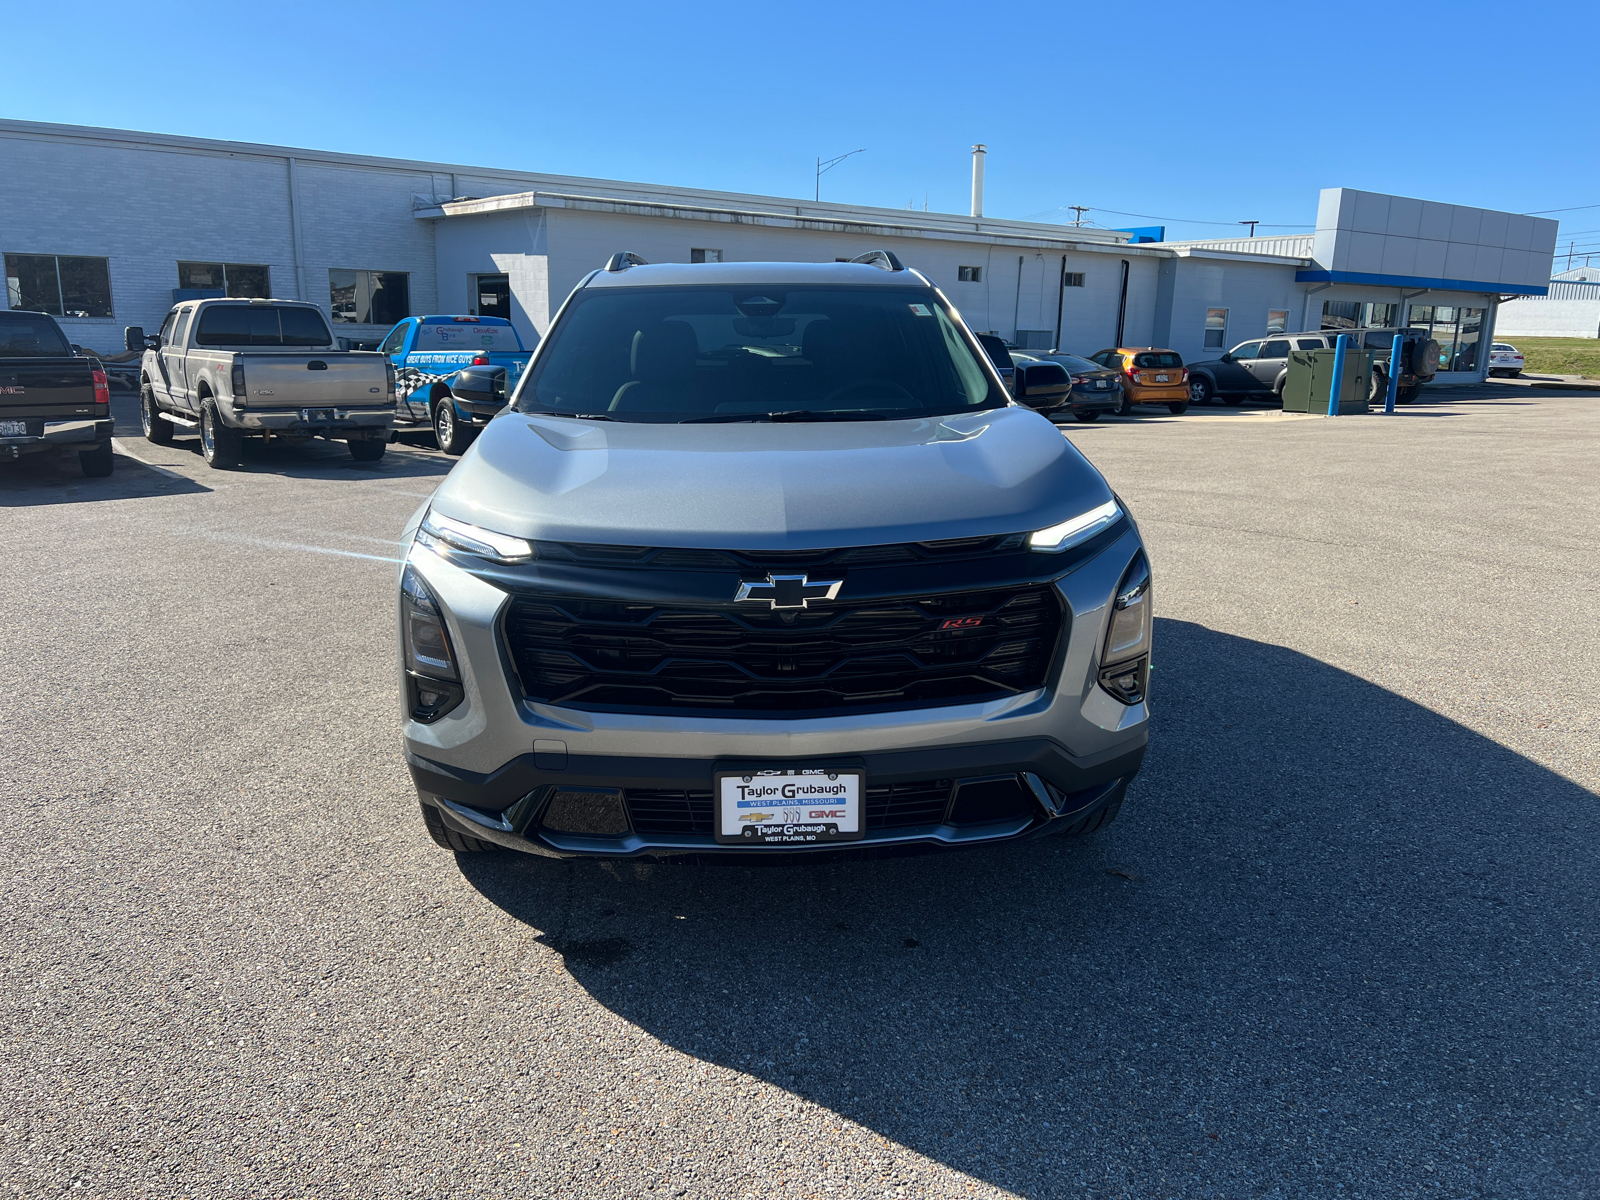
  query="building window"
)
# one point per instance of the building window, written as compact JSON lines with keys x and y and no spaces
{"x":240,"y":281}
{"x":1073,"y":279}
{"x":1216,"y":328}
{"x":1277,"y":320}
{"x":969,"y":274}
{"x":705,"y":256}
{"x":1341,"y":314}
{"x":58,"y":284}
{"x":1035,"y":339}
{"x":369,"y":297}
{"x":1457,"y":330}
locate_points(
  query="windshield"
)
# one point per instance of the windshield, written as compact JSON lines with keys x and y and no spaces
{"x":31,"y":335}
{"x":710,"y":354}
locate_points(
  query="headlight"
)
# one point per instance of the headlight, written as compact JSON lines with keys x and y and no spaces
{"x":485,"y":543}
{"x":1125,"y":660}
{"x":1076,"y":531}
{"x":433,"y":684}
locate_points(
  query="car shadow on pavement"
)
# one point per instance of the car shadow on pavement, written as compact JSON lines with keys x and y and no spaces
{"x":1334,"y":938}
{"x":319,"y":459}
{"x":42,"y":479}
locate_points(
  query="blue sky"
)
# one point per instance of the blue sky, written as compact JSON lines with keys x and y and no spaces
{"x":1184,"y":113}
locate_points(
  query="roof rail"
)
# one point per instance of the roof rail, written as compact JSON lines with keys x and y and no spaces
{"x":883,"y":259}
{"x":623,"y":259}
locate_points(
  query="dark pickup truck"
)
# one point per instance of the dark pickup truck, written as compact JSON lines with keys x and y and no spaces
{"x":51,"y":398}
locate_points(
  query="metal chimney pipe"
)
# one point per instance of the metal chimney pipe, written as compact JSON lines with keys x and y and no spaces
{"x":979,"y":152}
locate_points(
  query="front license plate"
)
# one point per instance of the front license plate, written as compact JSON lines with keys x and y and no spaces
{"x":796,"y":807}
{"x":13,"y":429}
{"x":316,"y":414}
{"x":1162,"y":378}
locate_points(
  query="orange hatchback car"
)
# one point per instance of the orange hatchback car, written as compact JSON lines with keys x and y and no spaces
{"x":1150,"y":375}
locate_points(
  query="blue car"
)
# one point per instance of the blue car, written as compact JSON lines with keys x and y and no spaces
{"x":453,"y":373}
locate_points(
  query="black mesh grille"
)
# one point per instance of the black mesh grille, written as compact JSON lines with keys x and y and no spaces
{"x":889,"y":806}
{"x":833,"y":656}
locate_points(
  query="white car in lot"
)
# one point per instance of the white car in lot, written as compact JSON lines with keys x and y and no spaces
{"x":1505,"y":359}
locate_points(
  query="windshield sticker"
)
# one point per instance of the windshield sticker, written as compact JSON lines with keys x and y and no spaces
{"x":922,"y":310}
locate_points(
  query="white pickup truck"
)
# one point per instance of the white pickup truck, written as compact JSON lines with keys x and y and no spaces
{"x":233,"y":369}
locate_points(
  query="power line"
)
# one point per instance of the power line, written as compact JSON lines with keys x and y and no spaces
{"x":1082,"y":208}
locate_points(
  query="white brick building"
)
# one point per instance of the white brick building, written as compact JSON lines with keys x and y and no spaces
{"x":105,"y":227}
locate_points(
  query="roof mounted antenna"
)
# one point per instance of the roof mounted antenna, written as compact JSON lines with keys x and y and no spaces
{"x":882,"y":259}
{"x":623,"y":259}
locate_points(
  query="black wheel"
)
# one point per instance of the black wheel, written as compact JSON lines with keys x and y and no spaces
{"x":1125,"y":409}
{"x":1179,"y":408}
{"x":1407,"y":394}
{"x":97,"y":463}
{"x":1088,"y":416}
{"x":1377,"y":389}
{"x":221,"y":446}
{"x":155,"y":428}
{"x":447,"y":431}
{"x":1233,"y":401}
{"x":1200,"y":390}
{"x":447,"y":838}
{"x":370,"y":450}
{"x":1513,"y":374}
{"x":1100,"y":817}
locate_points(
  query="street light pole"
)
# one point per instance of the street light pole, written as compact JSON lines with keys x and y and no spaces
{"x":830,"y":165}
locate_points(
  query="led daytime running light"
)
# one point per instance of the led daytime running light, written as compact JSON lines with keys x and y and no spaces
{"x":1076,"y":531}
{"x":485,"y":543}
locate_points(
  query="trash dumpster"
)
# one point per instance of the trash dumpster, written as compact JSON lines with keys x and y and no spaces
{"x":1310,"y":380}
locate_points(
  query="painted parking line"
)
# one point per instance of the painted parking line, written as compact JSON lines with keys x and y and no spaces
{"x":121,"y":446}
{"x":249,"y":539}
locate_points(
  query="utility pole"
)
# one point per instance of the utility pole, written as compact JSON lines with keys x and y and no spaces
{"x":830,"y":165}
{"x":1252,"y":225}
{"x":1080,"y":209}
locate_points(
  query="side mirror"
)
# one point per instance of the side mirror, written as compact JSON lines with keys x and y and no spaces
{"x":133,"y":338}
{"x":1227,"y":358}
{"x":152,"y":342}
{"x":484,"y":385}
{"x":1043,"y":385}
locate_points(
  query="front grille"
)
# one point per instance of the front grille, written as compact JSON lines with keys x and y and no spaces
{"x":669,"y":558}
{"x":889,"y":806}
{"x":832,"y":657}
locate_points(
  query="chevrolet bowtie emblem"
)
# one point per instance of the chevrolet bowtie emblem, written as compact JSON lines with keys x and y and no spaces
{"x":789,"y":591}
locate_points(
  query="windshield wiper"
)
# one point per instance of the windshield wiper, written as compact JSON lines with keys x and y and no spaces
{"x":799,"y":414}
{"x":550,"y":412}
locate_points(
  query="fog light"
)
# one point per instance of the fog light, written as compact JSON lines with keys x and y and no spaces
{"x":595,"y":811}
{"x":1127,"y":681}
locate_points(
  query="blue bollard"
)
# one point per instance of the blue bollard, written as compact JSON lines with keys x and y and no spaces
{"x":1395,"y":358}
{"x":1340,"y":346}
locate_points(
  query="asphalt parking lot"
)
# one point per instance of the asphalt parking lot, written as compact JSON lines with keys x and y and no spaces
{"x":1342,"y":940}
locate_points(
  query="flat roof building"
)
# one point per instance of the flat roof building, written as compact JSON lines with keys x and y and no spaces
{"x":107,"y":228}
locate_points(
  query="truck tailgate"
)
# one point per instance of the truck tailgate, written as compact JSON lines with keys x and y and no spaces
{"x":57,"y":389}
{"x":306,"y":380}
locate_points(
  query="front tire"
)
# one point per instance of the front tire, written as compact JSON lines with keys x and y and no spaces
{"x":221,"y":446}
{"x":1088,"y":416}
{"x":447,"y":430}
{"x":1125,"y":409}
{"x":1100,"y":817}
{"x":448,"y":839}
{"x":99,"y":462}
{"x":370,"y":450}
{"x":1200,"y":390}
{"x":156,"y":430}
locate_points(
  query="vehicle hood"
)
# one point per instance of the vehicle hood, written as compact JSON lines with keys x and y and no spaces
{"x":764,"y":486}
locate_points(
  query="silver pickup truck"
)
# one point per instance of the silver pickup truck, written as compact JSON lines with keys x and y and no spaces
{"x":233,"y":369}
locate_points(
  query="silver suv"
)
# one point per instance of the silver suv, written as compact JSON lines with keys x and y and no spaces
{"x":762,"y":557}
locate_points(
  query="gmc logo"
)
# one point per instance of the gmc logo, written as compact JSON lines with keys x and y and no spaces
{"x":819,"y":814}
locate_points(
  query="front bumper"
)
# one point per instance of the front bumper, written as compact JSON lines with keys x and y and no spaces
{"x":491,"y":763}
{"x":68,"y":436}
{"x":1030,"y":775}
{"x":337,"y":421}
